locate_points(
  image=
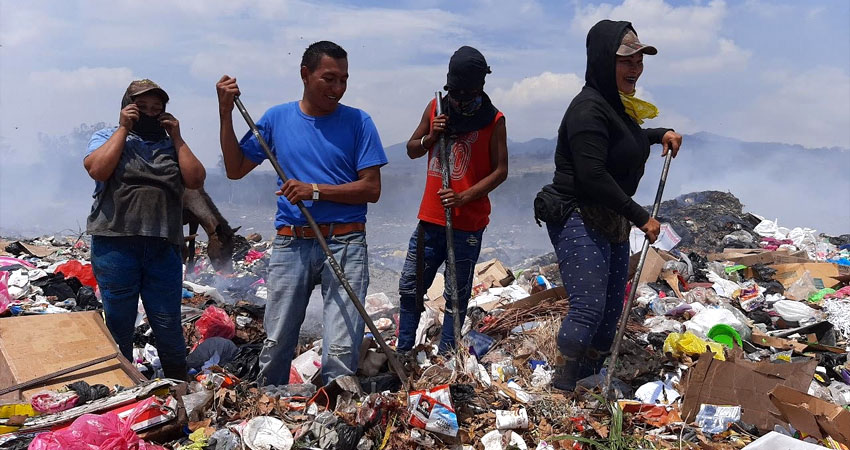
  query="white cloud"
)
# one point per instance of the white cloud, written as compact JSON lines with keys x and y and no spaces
{"x":728,"y":55}
{"x":82,"y":79}
{"x":546,"y":87}
{"x":25,"y":25}
{"x":690,"y":37}
{"x":533,"y":106}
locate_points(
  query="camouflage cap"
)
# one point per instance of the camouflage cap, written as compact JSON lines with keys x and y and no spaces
{"x":139,"y":87}
{"x":631,"y":45}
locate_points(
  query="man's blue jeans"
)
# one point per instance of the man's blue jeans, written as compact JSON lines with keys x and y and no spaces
{"x":467,"y":248}
{"x":128,"y":266}
{"x":297,"y":266}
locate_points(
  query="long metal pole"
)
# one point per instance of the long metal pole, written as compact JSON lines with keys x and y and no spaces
{"x":624,"y":318}
{"x":399,"y":370}
{"x":446,"y":165}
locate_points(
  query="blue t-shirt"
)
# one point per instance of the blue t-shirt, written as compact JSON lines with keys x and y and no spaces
{"x":323,"y":150}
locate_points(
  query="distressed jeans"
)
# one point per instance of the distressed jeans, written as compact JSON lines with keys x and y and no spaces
{"x":126,"y":267}
{"x":297,"y":266}
{"x":467,"y":246}
{"x":594,"y":273}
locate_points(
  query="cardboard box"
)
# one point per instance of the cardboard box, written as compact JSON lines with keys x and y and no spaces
{"x":740,"y":382}
{"x":493,"y":273}
{"x":750,"y":257}
{"x":655,"y":260}
{"x":812,"y":415}
{"x":34,"y":346}
{"x":823,"y":273}
{"x":435,"y":293}
{"x":549,"y":295}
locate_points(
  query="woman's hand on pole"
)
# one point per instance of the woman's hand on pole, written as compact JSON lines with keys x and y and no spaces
{"x":652,"y":229}
{"x":671,"y":141}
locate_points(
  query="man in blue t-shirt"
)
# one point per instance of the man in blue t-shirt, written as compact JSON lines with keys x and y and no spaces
{"x":333,"y":157}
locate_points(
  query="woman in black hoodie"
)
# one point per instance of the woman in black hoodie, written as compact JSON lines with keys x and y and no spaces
{"x":599,"y":160}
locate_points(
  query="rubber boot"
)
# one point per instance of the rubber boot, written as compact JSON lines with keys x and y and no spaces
{"x":176,"y":371}
{"x":566,"y":375}
{"x":590,"y":363}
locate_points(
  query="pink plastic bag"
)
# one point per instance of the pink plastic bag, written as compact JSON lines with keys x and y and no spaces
{"x":252,"y":256}
{"x":97,"y":432}
{"x":215,"y":322}
{"x":5,"y":297}
{"x":49,"y":402}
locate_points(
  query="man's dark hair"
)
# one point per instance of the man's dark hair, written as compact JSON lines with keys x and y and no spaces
{"x":315,"y":51}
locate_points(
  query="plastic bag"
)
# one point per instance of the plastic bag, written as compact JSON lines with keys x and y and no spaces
{"x":49,"y":402}
{"x":5,"y":297}
{"x":749,"y":296}
{"x":660,"y":324}
{"x":702,"y":295}
{"x":97,"y":432}
{"x":264,"y":433}
{"x":714,"y":419}
{"x":704,"y":320}
{"x":690,"y":344}
{"x":432,"y":410}
{"x":215,"y":322}
{"x":662,"y":306}
{"x":82,"y":272}
{"x":819,"y":295}
{"x":722,"y":286}
{"x":802,"y":288}
{"x":794,"y":311}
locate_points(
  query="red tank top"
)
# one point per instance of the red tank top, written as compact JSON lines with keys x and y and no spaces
{"x":471,"y":156}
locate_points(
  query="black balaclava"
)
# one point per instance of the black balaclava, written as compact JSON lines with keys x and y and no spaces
{"x":467,"y":69}
{"x":603,"y":40}
{"x":147,"y":127}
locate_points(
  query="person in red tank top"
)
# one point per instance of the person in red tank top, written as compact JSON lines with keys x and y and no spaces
{"x":477,"y":137}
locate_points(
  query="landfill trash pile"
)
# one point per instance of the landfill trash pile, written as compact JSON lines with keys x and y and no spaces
{"x":731,"y":344}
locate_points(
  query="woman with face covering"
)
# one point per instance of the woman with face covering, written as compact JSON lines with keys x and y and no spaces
{"x":588,"y":209}
{"x":140,"y":169}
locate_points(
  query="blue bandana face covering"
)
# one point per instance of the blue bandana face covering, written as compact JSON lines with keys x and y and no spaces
{"x":470,"y":107}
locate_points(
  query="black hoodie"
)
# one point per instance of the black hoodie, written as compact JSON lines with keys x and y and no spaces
{"x":601,"y":151}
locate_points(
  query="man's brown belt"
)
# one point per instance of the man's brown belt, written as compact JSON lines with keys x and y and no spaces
{"x":333,"y":229}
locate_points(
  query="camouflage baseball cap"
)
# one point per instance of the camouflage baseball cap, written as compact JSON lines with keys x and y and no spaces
{"x":631,"y":45}
{"x":139,"y":87}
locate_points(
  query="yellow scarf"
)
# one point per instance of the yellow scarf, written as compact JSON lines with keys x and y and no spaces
{"x":638,"y":109}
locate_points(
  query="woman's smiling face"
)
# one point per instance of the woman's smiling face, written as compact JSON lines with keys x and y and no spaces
{"x":629,"y":69}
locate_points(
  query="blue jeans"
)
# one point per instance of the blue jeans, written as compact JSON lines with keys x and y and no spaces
{"x":297,"y":266}
{"x":594,"y":272}
{"x":128,"y":266}
{"x":467,"y":247}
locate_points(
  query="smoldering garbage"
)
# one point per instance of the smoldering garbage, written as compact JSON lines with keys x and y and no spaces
{"x":739,"y":334}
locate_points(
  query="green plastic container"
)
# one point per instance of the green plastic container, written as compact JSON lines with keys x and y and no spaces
{"x":725,"y":335}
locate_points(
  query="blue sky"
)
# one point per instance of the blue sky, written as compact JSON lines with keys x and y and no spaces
{"x":776,"y":71}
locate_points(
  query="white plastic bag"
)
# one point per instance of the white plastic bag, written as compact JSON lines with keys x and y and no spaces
{"x":265,"y":433}
{"x":703,"y":321}
{"x":795,"y":311}
{"x":723,"y":287}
